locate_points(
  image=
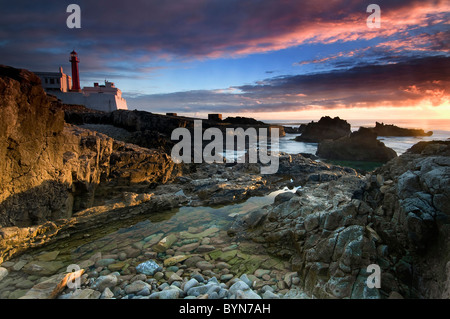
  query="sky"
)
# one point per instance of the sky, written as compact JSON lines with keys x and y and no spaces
{"x":270,"y":60}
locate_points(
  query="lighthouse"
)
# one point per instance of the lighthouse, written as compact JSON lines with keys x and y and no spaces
{"x":75,"y":75}
{"x":106,"y":98}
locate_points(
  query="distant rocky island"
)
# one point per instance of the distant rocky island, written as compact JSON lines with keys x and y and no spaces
{"x":382,"y":129}
{"x":67,"y":173}
{"x":336,"y":141}
{"x":326,"y":128}
{"x":361,"y":145}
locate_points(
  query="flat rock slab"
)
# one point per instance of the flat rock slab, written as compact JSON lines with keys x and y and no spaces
{"x":52,"y":287}
{"x":205,"y":233}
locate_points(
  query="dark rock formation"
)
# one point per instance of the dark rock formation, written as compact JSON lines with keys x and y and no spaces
{"x":411,"y":198}
{"x":398,"y":218}
{"x":326,"y":128}
{"x":48,"y":170}
{"x":295,"y":130}
{"x":155,"y":130}
{"x":239,"y":120}
{"x":359,"y":146}
{"x":31,"y":138}
{"x":382,"y":129}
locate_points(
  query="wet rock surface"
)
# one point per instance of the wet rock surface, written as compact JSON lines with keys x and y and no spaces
{"x":396,"y":218}
{"x":232,"y":270}
{"x":361,"y":145}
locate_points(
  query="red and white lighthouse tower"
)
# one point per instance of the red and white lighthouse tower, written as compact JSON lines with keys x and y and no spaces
{"x":75,"y":75}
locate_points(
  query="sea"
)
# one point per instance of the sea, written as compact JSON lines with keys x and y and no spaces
{"x":439,"y":127}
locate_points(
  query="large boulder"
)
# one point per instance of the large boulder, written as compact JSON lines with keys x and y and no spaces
{"x":361,"y":145}
{"x":326,"y":128}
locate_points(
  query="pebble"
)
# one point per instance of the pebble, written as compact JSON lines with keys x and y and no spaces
{"x":200,"y":290}
{"x":190,"y":284}
{"x":192,"y":261}
{"x":267,"y":288}
{"x":7,"y":264}
{"x":205,"y":248}
{"x":169,"y":294}
{"x":226,"y":277}
{"x":177,"y":284}
{"x":189,"y":247}
{"x":163,"y":286}
{"x":204,"y":265}
{"x":223,"y":293}
{"x":281,"y":285}
{"x":25,"y":284}
{"x":222,"y":265}
{"x":270,"y":295}
{"x":104,"y":262}
{"x":3,"y":273}
{"x":245,"y":279}
{"x":135,"y":287}
{"x":158,"y":275}
{"x":144,"y":292}
{"x":148,"y":268}
{"x":19,"y":265}
{"x":247,"y":294}
{"x":213,"y":295}
{"x":239,"y":285}
{"x":261,"y":272}
{"x":122,"y":256}
{"x":174,"y":277}
{"x":103,"y":282}
{"x":107,"y":294}
{"x":198,"y":277}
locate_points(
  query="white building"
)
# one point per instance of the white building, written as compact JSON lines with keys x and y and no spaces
{"x":105,"y":98}
{"x":55,"y":81}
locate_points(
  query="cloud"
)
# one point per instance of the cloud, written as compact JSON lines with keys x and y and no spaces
{"x":196,"y":29}
{"x":408,"y":83}
{"x":133,"y":39}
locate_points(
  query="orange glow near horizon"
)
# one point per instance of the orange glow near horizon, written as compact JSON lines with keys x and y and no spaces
{"x":427,"y":112}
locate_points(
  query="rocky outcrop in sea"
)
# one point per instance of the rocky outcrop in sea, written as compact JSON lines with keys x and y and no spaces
{"x":361,"y":145}
{"x":326,"y":128}
{"x":382,"y":129}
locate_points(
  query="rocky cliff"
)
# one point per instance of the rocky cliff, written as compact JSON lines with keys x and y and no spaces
{"x":49,"y":169}
{"x":397,"y":218}
{"x":411,"y":200}
{"x":326,"y":128}
{"x":151,"y":130}
{"x":361,"y":145}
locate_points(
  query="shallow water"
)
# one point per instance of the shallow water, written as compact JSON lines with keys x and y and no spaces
{"x":188,"y":223}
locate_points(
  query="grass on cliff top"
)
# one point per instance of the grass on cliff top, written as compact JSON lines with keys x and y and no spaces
{"x":358,"y":165}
